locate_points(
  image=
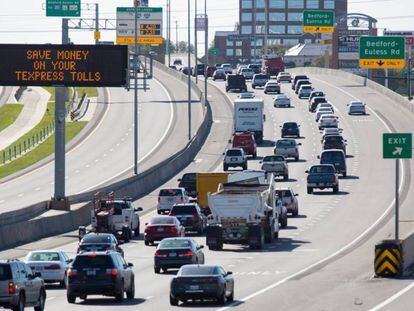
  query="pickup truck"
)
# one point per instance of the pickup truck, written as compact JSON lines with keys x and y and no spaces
{"x":277,"y":165}
{"x":322,"y":176}
{"x":288,"y":148}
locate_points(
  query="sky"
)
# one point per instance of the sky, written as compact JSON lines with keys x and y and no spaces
{"x":24,"y":21}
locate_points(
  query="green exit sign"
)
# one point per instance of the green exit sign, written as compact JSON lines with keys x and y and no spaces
{"x":397,"y":146}
{"x":63,"y":8}
{"x":214,"y":51}
{"x":382,"y":52}
{"x":318,"y":21}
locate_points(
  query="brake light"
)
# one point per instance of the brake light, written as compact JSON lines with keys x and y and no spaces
{"x":333,"y":178}
{"x":158,"y":254}
{"x":53,"y":267}
{"x":171,"y":214}
{"x":72,"y":272}
{"x":159,"y":199}
{"x":173,"y":229}
{"x":12,"y":289}
{"x":109,"y":248}
{"x":185,"y":254}
{"x":112,"y":272}
{"x":195,"y":215}
{"x":181,"y":199}
{"x":92,"y":255}
{"x":78,"y":250}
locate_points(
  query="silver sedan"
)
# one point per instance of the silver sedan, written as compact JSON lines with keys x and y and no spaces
{"x":356,"y":108}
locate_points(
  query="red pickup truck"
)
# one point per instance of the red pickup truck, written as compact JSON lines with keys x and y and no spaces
{"x":246,"y":142}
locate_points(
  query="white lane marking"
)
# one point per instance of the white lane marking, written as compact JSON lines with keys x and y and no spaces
{"x":149,"y":152}
{"x":2,"y":201}
{"x":50,"y":298}
{"x":341,"y":250}
{"x":77,"y":171}
{"x":131,"y":246}
{"x":37,"y":189}
{"x":20,"y":195}
{"x":392,"y":298}
{"x":198,"y":160}
{"x":149,"y":297}
{"x":72,"y":150}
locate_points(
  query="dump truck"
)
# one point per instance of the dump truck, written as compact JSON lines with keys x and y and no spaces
{"x":205,"y":183}
{"x":243,"y":212}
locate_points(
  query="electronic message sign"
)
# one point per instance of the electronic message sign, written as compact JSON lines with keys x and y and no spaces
{"x":63,"y":65}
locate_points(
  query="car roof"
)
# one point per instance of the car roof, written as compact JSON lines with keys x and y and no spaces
{"x":286,"y":139}
{"x":238,"y":149}
{"x":332,"y":151}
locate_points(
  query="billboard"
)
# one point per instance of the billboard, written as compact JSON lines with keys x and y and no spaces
{"x":63,"y":65}
{"x":348,"y":47}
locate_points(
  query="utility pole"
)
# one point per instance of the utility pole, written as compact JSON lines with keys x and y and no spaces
{"x":195,"y":41}
{"x":205,"y":52}
{"x":266,"y":26}
{"x":168,"y":33}
{"x":188,"y":71}
{"x":254,"y":31}
{"x":96,"y":22}
{"x":135,"y":89}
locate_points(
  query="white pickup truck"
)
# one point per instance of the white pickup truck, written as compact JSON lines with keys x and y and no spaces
{"x":242,"y":212}
{"x":288,"y":148}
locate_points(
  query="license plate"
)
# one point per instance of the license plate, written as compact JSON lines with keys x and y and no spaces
{"x":90,"y":272}
{"x":173,"y":254}
{"x":160,"y":229}
{"x":233,"y":159}
{"x":194,"y":287}
{"x":170,"y":199}
{"x":320,"y":185}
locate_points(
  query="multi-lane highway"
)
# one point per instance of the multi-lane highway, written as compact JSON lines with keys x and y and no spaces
{"x":107,"y":152}
{"x":324,"y":259}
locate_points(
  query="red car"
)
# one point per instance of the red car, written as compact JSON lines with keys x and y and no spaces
{"x":246,"y":142}
{"x":161,"y":227}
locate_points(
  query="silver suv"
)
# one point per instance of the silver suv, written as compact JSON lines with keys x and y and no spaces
{"x":234,"y":157}
{"x":20,"y":287}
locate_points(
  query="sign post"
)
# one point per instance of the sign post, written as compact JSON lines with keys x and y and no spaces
{"x":397,"y":146}
{"x":318,"y":21}
{"x":382,"y":52}
{"x":63,"y":8}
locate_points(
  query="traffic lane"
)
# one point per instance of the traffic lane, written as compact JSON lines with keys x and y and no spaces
{"x":102,"y":156}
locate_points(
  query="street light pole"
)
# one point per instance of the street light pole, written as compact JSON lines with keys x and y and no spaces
{"x":176,"y":34}
{"x":136,"y":89}
{"x":205,"y":52}
{"x":188,"y":70}
{"x":195,"y":41}
{"x":96,"y":21}
{"x":266,"y":27}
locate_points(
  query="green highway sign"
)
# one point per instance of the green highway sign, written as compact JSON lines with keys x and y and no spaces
{"x":63,"y":8}
{"x":318,"y":21}
{"x":382,"y":52}
{"x":214,"y":51}
{"x":397,"y":146}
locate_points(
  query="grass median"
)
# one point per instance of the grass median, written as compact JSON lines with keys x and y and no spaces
{"x":47,"y":147}
{"x":8,"y":114}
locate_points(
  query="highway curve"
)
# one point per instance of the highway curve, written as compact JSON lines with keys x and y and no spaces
{"x":324,"y":259}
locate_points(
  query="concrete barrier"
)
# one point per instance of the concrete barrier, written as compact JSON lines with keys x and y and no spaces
{"x":395,"y":97}
{"x":408,"y":254}
{"x":16,"y":229}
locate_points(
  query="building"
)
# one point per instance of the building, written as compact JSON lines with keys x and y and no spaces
{"x":305,"y":54}
{"x":284,"y":24}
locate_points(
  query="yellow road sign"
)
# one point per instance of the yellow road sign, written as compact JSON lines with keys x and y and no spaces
{"x":97,"y":35}
{"x":382,"y":63}
{"x":130,"y":40}
{"x":388,"y":261}
{"x":317,"y":29}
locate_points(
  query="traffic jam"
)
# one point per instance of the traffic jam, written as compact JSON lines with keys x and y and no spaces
{"x":233,"y":205}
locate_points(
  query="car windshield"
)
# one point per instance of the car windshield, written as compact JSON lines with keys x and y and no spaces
{"x":43,"y":256}
{"x":170,"y":192}
{"x":325,"y":109}
{"x":283,"y":193}
{"x":332,"y":156}
{"x":322,"y":169}
{"x":233,"y":153}
{"x":162,"y":221}
{"x":290,"y":125}
{"x":96,"y":238}
{"x":319,"y":100}
{"x":271,"y":84}
{"x":189,"y":177}
{"x":318,"y":94}
{"x":92,"y":261}
{"x":327,"y":116}
{"x":197,"y":270}
{"x":247,"y":70}
{"x":119,"y":206}
{"x":5,"y":273}
{"x":219,"y":71}
{"x":260,"y":77}
{"x":273,"y":159}
{"x":285,"y":143}
{"x":183,"y":209}
{"x":333,"y":139}
{"x":174,"y":243}
{"x":306,"y":87}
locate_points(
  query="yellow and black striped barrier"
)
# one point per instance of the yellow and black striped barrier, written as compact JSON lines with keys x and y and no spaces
{"x":388,"y":258}
{"x":72,"y":115}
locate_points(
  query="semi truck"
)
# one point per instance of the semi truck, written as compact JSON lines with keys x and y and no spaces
{"x":249,"y":117}
{"x":272,"y":65}
{"x":243,"y":212}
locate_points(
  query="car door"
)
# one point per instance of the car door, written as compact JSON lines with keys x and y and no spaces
{"x":29,"y":283}
{"x":229,"y":281}
{"x":127,"y":272}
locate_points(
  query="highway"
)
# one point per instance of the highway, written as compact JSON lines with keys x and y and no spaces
{"x":324,"y":259}
{"x":107,"y":153}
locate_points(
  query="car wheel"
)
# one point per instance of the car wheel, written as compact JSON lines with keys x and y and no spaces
{"x":20,"y":303}
{"x":245,"y":167}
{"x":265,"y":92}
{"x":335,"y":189}
{"x":146,"y":243}
{"x":71,"y":298}
{"x":255,"y":155}
{"x":157,"y":270}
{"x":344,"y":174}
{"x":276,"y":236}
{"x":173,"y":301}
{"x":136,"y":230}
{"x":296,"y":159}
{"x":131,"y":292}
{"x":83,"y":297}
{"x":284,"y":222}
{"x":285,"y":177}
{"x":310,"y":190}
{"x":41,"y":301}
{"x":62,"y":283}
{"x":119,"y":296}
{"x":164,"y":270}
{"x":295,"y":213}
{"x":223,"y":298}
{"x":231,"y":297}
{"x":225,"y":168}
{"x":253,"y":86}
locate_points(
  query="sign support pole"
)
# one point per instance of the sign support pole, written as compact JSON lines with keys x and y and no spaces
{"x":397,"y":199}
{"x":96,"y":21}
{"x":136,"y":90}
{"x":409,"y":72}
{"x":188,"y":71}
{"x":205,"y":53}
{"x":195,"y":41}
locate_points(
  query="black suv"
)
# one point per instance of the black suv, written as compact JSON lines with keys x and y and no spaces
{"x":188,"y":182}
{"x":98,"y":242}
{"x":100,"y":273}
{"x":315,"y":102}
{"x":190,"y":216}
{"x":20,"y":287}
{"x":290,"y":129}
{"x":334,"y":142}
{"x":236,"y":82}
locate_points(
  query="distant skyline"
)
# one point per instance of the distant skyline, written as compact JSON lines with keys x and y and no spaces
{"x":23,"y":21}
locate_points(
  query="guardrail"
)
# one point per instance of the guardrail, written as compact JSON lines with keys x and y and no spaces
{"x":20,"y":226}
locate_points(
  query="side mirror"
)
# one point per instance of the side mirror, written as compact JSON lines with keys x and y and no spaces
{"x":307,"y":171}
{"x":299,"y":144}
{"x":146,"y":224}
{"x":298,"y":125}
{"x":201,"y":246}
{"x":69,"y":260}
{"x":229,"y":141}
{"x":179,"y":179}
{"x":130,"y":264}
{"x":260,"y":162}
{"x":138,"y":209}
{"x":37,"y":275}
{"x":318,"y":157}
{"x":223,"y":153}
{"x":229,"y":273}
{"x":296,"y":194}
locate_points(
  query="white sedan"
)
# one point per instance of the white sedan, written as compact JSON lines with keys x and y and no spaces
{"x":322,"y":111}
{"x":281,"y":100}
{"x":356,"y":108}
{"x":52,"y":265}
{"x":328,"y":120}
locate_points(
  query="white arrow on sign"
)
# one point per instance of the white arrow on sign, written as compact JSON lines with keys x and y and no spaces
{"x":398,"y":150}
